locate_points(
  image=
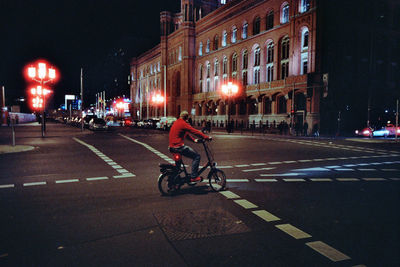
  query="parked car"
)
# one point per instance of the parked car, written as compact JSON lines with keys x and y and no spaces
{"x":98,"y":124}
{"x":166,"y":122}
{"x":392,"y":129}
{"x":128,"y":122}
{"x":87,"y":119}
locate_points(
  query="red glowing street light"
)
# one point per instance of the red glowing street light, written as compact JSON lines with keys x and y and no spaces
{"x":40,"y":73}
{"x":229,"y":90}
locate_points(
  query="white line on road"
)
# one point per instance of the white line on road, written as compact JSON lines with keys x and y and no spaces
{"x":237,"y":180}
{"x":6,"y":186}
{"x":293,"y":180}
{"x":245,"y":204}
{"x":280,"y":174}
{"x":97,"y":178}
{"x":67,"y":181}
{"x":34,"y":183}
{"x":229,"y":194}
{"x":265,"y":180}
{"x":265,"y":215}
{"x":259,"y":169}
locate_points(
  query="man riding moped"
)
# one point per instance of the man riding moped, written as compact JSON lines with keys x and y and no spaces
{"x":178,"y":132}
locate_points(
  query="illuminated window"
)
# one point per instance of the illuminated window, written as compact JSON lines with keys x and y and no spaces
{"x":225,"y":70}
{"x":201,"y":78}
{"x":234,"y":62}
{"x":304,"y":5}
{"x":256,"y":67}
{"x":180,"y":54}
{"x":200,"y":49}
{"x":234,"y":35}
{"x":223,"y":2}
{"x":216,"y":68}
{"x":208,"y":46}
{"x":244,"y":67}
{"x":270,"y":62}
{"x":285,"y":13}
{"x":304,"y":38}
{"x":244,"y":31}
{"x":224,"y":37}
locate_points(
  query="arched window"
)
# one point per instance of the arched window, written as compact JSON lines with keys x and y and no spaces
{"x":285,"y":13}
{"x":304,"y":6}
{"x":304,"y":51}
{"x":270,"y":62}
{"x":216,"y":41}
{"x":234,"y":35}
{"x":225,"y":70}
{"x":208,"y":77}
{"x":208,"y":46}
{"x":270,"y":20}
{"x":201,"y":78}
{"x":234,"y":66}
{"x":216,"y":74}
{"x":256,"y":25}
{"x":256,"y":67}
{"x":224,"y":38}
{"x":244,"y":30}
{"x":180,"y":54}
{"x":200,"y":49}
{"x":244,"y":67}
{"x":285,"y":57}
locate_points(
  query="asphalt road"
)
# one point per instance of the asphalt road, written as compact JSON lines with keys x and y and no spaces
{"x":91,"y":199}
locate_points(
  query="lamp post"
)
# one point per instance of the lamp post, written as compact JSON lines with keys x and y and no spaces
{"x":229,"y":90}
{"x":157,"y":99}
{"x":42,"y":75}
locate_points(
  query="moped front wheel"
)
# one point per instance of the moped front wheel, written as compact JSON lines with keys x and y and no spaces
{"x":217,"y":180}
{"x":166,"y":185}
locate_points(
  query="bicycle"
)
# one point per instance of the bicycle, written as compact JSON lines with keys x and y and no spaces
{"x":173,"y":177}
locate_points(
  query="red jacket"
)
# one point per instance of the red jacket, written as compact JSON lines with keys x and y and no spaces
{"x":181,"y":129}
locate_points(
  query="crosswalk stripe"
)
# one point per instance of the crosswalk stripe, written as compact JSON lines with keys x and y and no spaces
{"x":245,"y":204}
{"x":292,"y":231}
{"x":266,"y":216}
{"x":229,"y":194}
{"x":327,"y":251}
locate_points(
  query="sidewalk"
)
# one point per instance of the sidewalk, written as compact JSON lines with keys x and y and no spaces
{"x":28,"y":135}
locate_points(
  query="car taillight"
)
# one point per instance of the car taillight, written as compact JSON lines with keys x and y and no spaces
{"x":367,"y":132}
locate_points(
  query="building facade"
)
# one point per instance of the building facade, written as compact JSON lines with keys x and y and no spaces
{"x":268,"y":48}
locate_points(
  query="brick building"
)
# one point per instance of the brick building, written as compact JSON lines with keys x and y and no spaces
{"x":268,"y":48}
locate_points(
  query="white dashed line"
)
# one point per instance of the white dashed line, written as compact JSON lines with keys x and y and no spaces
{"x":97,"y":178}
{"x":265,"y":180}
{"x":265,"y":215}
{"x":237,"y":180}
{"x":6,"y":186}
{"x":245,"y":204}
{"x":34,"y":184}
{"x":229,"y":194}
{"x":259,"y":169}
{"x":67,"y":181}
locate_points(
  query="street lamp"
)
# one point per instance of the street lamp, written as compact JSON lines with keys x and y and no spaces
{"x":42,"y":75}
{"x":229,"y":90}
{"x":157,"y":99}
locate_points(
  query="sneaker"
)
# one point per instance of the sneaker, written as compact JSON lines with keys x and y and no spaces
{"x":196,"y":180}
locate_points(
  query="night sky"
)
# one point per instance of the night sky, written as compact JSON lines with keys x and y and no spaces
{"x":101,"y":36}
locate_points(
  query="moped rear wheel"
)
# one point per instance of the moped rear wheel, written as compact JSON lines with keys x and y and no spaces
{"x":217,"y":180}
{"x":166,"y":185}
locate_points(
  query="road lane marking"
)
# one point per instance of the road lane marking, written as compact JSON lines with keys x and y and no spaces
{"x":328,"y":251}
{"x":229,"y":194}
{"x":97,"y":178}
{"x":293,"y":231}
{"x":259,"y":169}
{"x":245,"y":204}
{"x":374,"y":179}
{"x":266,"y":216}
{"x":343,"y":169}
{"x":6,"y":186}
{"x":127,"y":175}
{"x":280,"y":174}
{"x":237,"y":180}
{"x":275,"y":162}
{"x":34,"y":183}
{"x":321,"y":179}
{"x":289,"y":161}
{"x":395,"y":179}
{"x":67,"y":181}
{"x":348,"y":179}
{"x":242,"y":165}
{"x":293,"y":180}
{"x":259,"y":164}
{"x":108,"y":160}
{"x":367,"y":170}
{"x":390,"y":170}
{"x":265,"y":180}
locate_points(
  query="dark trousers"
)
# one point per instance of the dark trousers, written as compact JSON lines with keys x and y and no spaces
{"x":189,"y":152}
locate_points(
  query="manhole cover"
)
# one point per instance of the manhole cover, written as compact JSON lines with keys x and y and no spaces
{"x":192,"y":224}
